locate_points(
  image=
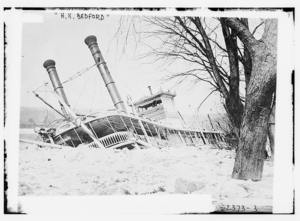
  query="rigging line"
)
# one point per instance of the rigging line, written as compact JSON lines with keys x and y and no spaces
{"x":82,"y":89}
{"x":94,"y":98}
{"x":49,"y":105}
{"x":111,"y":125}
{"x":45,"y":84}
{"x":79,"y":73}
{"x":74,"y":76}
{"x":93,"y":86}
{"x":45,"y":91}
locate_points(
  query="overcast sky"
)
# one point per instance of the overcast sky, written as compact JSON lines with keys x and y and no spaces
{"x":63,"y":41}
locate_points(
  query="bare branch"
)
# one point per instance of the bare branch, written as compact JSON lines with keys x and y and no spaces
{"x":210,"y":57}
{"x":255,"y":29}
{"x":205,"y":99}
{"x":242,"y":32}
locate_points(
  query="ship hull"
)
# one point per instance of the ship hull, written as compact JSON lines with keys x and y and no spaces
{"x":119,"y":124}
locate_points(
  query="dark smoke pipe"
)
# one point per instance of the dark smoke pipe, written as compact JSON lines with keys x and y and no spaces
{"x":58,"y":88}
{"x":150,"y":90}
{"x":91,"y":42}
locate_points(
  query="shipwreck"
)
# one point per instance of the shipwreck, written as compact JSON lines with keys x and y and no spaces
{"x":153,"y":120}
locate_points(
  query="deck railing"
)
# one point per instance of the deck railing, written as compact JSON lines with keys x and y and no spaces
{"x":113,"y":139}
{"x":124,"y":137}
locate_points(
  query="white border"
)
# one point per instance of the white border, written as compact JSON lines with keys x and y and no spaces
{"x":283,"y":166}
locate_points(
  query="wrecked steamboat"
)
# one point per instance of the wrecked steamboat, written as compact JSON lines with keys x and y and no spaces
{"x":154,"y":120}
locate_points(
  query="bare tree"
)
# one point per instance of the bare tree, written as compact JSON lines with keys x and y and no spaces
{"x":250,"y":153}
{"x":190,"y":39}
{"x":224,"y":54}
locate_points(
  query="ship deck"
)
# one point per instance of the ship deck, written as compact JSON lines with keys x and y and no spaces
{"x":104,"y":124}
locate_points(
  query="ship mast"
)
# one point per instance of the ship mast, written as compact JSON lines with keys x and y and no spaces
{"x":49,"y":65}
{"x":91,"y":42}
{"x":63,"y":101}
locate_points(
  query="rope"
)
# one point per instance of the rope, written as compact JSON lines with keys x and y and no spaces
{"x":74,"y":76}
{"x":79,"y":73}
{"x":93,"y":87}
{"x":110,"y":125}
{"x":45,"y":84}
{"x":82,"y":89}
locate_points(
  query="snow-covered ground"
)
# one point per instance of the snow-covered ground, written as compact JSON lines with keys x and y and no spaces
{"x":186,"y":170}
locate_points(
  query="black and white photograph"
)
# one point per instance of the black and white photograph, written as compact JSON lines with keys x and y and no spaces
{"x":163,"y":105}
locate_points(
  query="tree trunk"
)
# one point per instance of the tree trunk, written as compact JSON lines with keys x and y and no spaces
{"x":271,"y":129}
{"x":234,"y":109}
{"x":246,"y":59}
{"x":233,"y":103}
{"x":250,"y":154}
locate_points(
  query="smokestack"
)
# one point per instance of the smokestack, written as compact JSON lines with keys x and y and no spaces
{"x":58,"y":88}
{"x":91,"y":42}
{"x":150,"y":90}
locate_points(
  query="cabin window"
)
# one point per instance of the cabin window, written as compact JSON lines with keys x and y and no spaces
{"x":150,"y":105}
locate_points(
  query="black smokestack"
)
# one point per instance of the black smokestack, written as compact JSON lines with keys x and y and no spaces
{"x":91,"y":42}
{"x":150,"y":90}
{"x":58,"y":88}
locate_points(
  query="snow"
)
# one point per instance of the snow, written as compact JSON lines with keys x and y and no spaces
{"x":181,"y":170}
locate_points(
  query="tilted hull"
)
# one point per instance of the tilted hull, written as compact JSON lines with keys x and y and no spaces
{"x":120,"y":129}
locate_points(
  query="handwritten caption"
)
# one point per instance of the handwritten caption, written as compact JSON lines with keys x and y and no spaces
{"x":80,"y":16}
{"x":230,"y":208}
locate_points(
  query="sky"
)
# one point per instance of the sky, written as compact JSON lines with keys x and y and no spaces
{"x":63,"y":41}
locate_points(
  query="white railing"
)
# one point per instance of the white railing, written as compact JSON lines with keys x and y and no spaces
{"x":124,"y":137}
{"x":113,"y":139}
